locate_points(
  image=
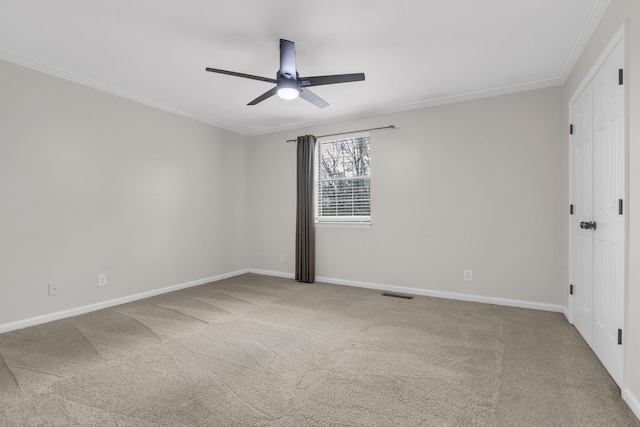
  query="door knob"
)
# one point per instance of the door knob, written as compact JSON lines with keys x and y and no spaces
{"x":588,"y":225}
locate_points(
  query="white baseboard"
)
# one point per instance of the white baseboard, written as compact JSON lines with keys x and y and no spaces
{"x":6,"y":327}
{"x":632,"y":401}
{"x":425,"y":292}
{"x":12,"y":326}
{"x":567,"y":313}
{"x":448,"y":295}
{"x":272,"y":273}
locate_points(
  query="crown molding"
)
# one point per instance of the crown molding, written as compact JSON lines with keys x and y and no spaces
{"x":76,"y":78}
{"x":587,"y":31}
{"x":505,"y":90}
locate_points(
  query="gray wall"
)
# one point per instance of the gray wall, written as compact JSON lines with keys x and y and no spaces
{"x":479,"y":184}
{"x":93,"y":183}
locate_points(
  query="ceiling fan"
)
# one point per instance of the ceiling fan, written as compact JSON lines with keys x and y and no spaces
{"x":289,"y":84}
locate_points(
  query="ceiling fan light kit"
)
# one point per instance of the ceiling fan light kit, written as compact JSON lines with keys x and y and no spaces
{"x":289,"y":85}
{"x":288,"y":88}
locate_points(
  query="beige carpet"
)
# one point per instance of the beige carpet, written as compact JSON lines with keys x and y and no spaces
{"x":263,"y":351}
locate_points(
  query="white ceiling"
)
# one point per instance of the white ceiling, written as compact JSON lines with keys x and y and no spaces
{"x":414,"y":53}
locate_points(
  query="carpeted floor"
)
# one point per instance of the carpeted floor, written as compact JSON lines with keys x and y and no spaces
{"x":263,"y":351}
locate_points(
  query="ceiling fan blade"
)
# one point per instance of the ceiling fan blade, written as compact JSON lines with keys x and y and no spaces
{"x":329,"y":80}
{"x":267,"y":94}
{"x":287,"y":82}
{"x":246,"y":76}
{"x":287,"y":59}
{"x":307,"y":95}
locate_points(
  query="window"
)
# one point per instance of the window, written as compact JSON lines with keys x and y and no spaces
{"x":343,"y":178}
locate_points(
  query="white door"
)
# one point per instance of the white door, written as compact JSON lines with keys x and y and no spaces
{"x":609,"y":193}
{"x":581,"y":149}
{"x":597,"y":233}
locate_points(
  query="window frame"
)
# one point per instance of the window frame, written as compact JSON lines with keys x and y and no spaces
{"x":358,"y":221}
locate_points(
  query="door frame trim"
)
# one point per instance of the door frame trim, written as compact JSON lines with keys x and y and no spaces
{"x":621,"y":36}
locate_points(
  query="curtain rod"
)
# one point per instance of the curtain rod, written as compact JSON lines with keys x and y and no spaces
{"x":353,"y":131}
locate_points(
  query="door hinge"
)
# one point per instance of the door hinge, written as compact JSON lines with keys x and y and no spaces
{"x":619,"y":336}
{"x":570,"y":129}
{"x":620,"y":76}
{"x":570,"y":289}
{"x":620,"y":210}
{"x":570,"y":209}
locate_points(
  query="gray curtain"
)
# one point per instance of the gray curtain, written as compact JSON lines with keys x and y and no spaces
{"x":305,"y":227}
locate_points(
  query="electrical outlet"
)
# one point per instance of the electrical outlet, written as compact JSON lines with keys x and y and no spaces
{"x":53,"y":290}
{"x":468,"y":275}
{"x":281,"y":257}
{"x":102,"y":279}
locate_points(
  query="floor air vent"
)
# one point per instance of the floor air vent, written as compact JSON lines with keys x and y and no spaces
{"x":389,"y":294}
